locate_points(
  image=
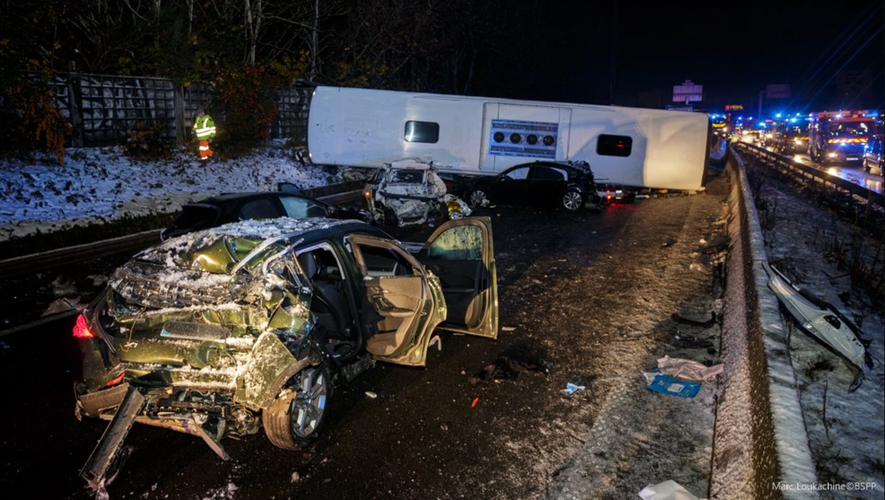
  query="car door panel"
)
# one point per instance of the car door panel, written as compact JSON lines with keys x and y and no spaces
{"x":461,"y":254}
{"x":546,"y":184}
{"x":397,"y":300}
{"x":400,"y":305}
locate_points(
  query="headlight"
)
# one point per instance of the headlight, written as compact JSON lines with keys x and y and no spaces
{"x":832,"y":155}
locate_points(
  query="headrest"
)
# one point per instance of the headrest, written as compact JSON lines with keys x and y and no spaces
{"x":309,"y":264}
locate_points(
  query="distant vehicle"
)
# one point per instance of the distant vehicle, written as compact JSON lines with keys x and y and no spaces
{"x":790,"y":136}
{"x":636,"y":147}
{"x":872,"y":158}
{"x":568,"y":186}
{"x":839,"y":137}
{"x":251,"y":325}
{"x":233,"y":207}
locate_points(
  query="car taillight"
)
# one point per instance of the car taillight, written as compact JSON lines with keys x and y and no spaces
{"x":81,"y":330}
{"x":116,"y":380}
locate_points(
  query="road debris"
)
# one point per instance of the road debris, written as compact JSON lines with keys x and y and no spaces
{"x":686,"y":321}
{"x":665,"y":384}
{"x":571,"y":388}
{"x":506,"y":367}
{"x":668,"y":490}
{"x":436,"y":340}
{"x":687,"y":369}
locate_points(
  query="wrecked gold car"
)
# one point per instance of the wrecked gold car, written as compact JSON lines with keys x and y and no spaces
{"x":222,"y":332}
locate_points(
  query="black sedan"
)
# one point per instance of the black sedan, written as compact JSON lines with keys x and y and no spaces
{"x":566,"y":185}
{"x":233,"y":207}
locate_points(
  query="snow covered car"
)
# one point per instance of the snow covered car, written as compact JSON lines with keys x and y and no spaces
{"x":406,"y":192}
{"x":224,"y":331}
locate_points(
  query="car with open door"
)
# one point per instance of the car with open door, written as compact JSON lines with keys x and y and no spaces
{"x":252,"y":325}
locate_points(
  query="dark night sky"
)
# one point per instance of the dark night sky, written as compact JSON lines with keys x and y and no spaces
{"x":563,"y":51}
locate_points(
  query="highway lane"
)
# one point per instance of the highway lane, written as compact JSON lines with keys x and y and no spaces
{"x":590,"y":294}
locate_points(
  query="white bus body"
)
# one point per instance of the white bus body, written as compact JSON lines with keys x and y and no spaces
{"x":632,"y":147}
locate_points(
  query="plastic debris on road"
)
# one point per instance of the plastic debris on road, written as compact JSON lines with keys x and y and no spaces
{"x":687,"y":369}
{"x":668,"y":490}
{"x":666,"y":384}
{"x":436,"y":340}
{"x":506,"y":367}
{"x":571,"y":388}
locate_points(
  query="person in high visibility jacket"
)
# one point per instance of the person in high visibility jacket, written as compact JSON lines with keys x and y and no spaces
{"x":204,"y":128}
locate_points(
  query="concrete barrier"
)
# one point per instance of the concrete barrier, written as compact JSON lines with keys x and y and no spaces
{"x":760,"y":442}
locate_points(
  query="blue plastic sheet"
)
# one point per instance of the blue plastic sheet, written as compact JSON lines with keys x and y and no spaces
{"x":666,"y":384}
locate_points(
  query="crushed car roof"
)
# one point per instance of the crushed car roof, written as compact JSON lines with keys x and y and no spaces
{"x":412,"y":163}
{"x":256,"y":230}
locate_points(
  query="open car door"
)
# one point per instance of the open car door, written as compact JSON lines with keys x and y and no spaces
{"x":400,"y":307}
{"x":461,"y":254}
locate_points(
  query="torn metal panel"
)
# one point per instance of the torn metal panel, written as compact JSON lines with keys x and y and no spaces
{"x":269,"y":366}
{"x":111,"y":442}
{"x":822,"y":320}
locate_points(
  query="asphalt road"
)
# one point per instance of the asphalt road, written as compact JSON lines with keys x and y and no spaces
{"x":587,"y":296}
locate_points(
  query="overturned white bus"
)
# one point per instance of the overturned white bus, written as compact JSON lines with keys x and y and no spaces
{"x":633,"y":147}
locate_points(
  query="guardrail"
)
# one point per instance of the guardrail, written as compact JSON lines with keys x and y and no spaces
{"x":793,"y":168}
{"x":44,"y":261}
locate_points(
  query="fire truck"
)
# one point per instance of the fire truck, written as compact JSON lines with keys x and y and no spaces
{"x":839,"y":136}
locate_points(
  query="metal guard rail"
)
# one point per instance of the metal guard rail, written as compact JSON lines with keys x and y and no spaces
{"x":792,"y":167}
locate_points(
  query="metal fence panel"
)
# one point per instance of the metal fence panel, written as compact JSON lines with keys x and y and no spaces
{"x":102,"y":109}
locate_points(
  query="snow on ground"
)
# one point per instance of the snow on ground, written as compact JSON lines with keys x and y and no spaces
{"x":103,"y":184}
{"x":844,"y":429}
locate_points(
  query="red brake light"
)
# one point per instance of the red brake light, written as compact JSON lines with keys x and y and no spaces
{"x":116,"y":380}
{"x":81,"y":331}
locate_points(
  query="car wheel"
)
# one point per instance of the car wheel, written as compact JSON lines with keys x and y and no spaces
{"x":478,"y":198}
{"x":390,"y":218}
{"x":572,"y":200}
{"x":293,"y":420}
{"x":866,"y":166}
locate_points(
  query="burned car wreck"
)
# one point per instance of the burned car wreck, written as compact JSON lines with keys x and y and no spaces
{"x":251,"y":325}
